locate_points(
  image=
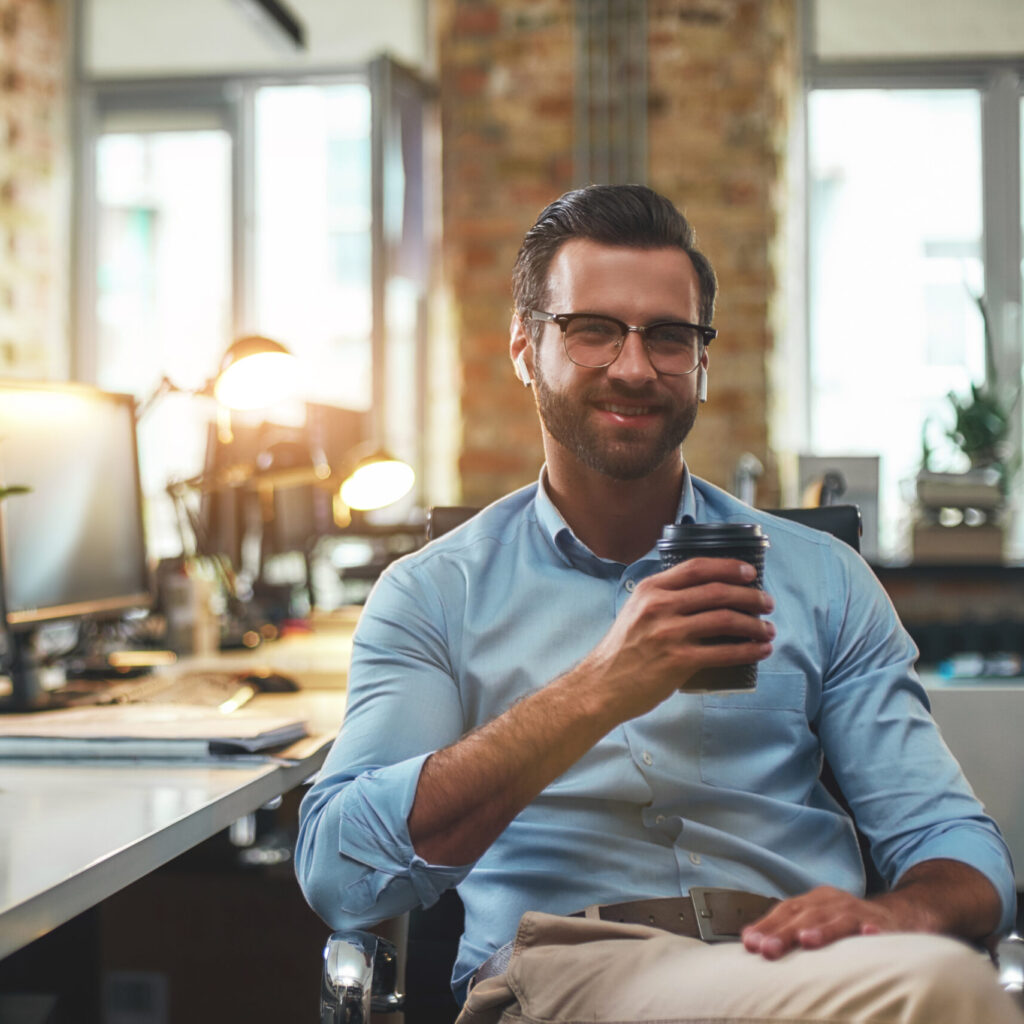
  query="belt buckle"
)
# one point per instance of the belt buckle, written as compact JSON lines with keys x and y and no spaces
{"x":704,"y":916}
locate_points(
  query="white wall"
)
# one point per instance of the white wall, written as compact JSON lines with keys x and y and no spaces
{"x":129,"y":38}
{"x":879,"y":29}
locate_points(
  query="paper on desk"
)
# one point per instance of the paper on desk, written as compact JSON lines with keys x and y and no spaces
{"x":145,"y":730}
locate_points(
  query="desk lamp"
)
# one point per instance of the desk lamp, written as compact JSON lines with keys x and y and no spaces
{"x":254,"y":372}
{"x":377,"y":479}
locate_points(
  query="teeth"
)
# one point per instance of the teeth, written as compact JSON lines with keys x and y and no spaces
{"x":629,"y":410}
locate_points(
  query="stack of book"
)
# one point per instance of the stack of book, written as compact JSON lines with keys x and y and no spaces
{"x":958,"y":518}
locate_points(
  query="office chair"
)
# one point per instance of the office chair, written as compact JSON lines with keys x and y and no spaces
{"x":361,"y":969}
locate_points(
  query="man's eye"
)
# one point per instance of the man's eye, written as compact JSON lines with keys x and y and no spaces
{"x":680,"y":335}
{"x":594,"y":328}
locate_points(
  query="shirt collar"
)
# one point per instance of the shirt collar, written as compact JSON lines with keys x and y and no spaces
{"x":571,"y":550}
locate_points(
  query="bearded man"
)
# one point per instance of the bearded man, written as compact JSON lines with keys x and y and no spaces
{"x":519,"y":725}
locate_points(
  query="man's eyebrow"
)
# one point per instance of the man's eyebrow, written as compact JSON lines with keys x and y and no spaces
{"x":671,"y":318}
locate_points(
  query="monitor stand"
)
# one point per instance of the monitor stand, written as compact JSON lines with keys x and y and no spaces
{"x":27,"y":692}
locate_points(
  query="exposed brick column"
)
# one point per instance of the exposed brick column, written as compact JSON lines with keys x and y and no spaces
{"x":506,"y":103}
{"x":33,"y":208}
{"x":719,"y":74}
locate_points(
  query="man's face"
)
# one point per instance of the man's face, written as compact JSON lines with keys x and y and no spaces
{"x":624,"y":420}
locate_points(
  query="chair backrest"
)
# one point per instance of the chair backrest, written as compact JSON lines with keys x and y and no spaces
{"x":842,"y":521}
{"x":434,"y":933}
{"x":442,"y":518}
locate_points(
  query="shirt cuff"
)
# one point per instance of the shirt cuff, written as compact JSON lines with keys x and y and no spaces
{"x":984,"y":856}
{"x":375,"y":830}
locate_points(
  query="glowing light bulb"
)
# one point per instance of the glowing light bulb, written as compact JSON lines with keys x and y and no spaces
{"x":377,"y":481}
{"x":258,"y":380}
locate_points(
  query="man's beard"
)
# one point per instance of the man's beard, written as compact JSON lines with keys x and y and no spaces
{"x":567,"y":422}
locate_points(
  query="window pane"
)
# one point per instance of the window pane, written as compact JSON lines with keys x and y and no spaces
{"x":895,"y":263}
{"x":163,"y":293}
{"x":312,"y":233}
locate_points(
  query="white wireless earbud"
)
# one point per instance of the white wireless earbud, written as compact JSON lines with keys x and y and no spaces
{"x":522,"y":372}
{"x":702,"y":384}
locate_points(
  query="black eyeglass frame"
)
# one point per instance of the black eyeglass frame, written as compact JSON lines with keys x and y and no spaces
{"x":562,"y":320}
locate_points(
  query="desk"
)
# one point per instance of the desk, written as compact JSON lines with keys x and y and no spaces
{"x":981,"y":721}
{"x":72,"y":835}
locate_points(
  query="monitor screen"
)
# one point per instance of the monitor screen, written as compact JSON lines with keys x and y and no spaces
{"x":73,"y":545}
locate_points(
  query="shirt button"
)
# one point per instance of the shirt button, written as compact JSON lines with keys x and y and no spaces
{"x":694,"y":858}
{"x":630,"y":585}
{"x":647,"y":759}
{"x":660,"y":819}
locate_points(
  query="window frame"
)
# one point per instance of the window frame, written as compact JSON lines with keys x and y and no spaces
{"x":228,"y":102}
{"x":1000,"y":84}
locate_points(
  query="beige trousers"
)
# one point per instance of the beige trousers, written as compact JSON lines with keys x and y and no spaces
{"x":567,"y":970}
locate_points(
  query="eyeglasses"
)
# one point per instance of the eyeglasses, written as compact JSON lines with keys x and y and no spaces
{"x":674,"y":347}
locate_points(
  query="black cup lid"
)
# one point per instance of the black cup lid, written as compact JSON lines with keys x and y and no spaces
{"x":712,"y":534}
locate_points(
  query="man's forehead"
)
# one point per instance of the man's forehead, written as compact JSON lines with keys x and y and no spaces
{"x":584,"y":264}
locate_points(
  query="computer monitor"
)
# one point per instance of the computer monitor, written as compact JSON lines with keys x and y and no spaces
{"x":73,"y":545}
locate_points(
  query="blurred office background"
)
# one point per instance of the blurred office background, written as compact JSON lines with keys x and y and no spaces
{"x":352,"y":180}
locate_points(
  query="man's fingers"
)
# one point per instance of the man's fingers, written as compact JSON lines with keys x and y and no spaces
{"x":812,"y":921}
{"x":705,"y":597}
{"x":728,"y":622}
{"x":700,"y":570}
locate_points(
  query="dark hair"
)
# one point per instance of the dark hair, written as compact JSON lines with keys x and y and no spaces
{"x":628,"y":215}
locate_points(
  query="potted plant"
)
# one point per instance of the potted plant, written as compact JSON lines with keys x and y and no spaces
{"x":981,"y":426}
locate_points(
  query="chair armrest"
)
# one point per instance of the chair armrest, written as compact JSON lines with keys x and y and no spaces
{"x":359,"y":975}
{"x":1010,"y":962}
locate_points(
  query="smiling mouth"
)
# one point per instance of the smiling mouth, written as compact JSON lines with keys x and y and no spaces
{"x":627,"y":410}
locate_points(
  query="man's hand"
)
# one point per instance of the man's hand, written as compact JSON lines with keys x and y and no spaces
{"x":940,"y":896}
{"x":816,"y":919}
{"x":662,"y":635}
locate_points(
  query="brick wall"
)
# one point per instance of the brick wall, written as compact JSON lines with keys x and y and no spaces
{"x":719,"y":92}
{"x":33,"y":207}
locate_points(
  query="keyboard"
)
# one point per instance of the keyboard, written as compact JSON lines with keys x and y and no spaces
{"x":223,"y":690}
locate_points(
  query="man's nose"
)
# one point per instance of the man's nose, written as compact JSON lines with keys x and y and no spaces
{"x":632,"y":363}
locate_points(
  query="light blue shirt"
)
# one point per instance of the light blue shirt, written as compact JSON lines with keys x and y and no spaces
{"x":704,"y":790}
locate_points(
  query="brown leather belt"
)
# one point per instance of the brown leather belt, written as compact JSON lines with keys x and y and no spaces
{"x":711,"y":915}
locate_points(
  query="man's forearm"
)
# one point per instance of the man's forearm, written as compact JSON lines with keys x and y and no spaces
{"x":945,"y":896}
{"x":469,"y":792}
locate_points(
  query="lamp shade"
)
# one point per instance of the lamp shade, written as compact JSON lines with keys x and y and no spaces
{"x":378,"y":479}
{"x":256,"y":372}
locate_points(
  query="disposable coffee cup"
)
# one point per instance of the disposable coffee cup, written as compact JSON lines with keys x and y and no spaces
{"x":746,"y":542}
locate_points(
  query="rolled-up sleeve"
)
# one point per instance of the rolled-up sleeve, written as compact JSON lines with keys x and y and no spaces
{"x":907,"y":791}
{"x":354,"y":858}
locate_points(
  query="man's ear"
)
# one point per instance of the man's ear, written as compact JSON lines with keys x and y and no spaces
{"x":520,"y":350}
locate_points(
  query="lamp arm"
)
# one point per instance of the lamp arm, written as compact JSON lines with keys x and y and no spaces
{"x":168,"y":387}
{"x":165,"y":387}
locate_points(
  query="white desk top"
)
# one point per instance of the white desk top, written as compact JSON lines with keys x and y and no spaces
{"x":73,"y":834}
{"x":980,"y":720}
{"x":70,"y":836}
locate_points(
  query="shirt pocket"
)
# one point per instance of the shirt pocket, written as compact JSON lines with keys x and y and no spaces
{"x":755,"y":741}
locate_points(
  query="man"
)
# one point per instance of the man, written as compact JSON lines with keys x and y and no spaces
{"x":515,"y":724}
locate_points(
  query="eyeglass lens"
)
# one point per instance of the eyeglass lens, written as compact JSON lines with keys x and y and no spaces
{"x":595,"y":341}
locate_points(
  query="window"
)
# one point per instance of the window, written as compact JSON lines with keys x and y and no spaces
{"x":904,"y":215}
{"x":221,"y":207}
{"x":159,"y":192}
{"x":312,"y":233}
